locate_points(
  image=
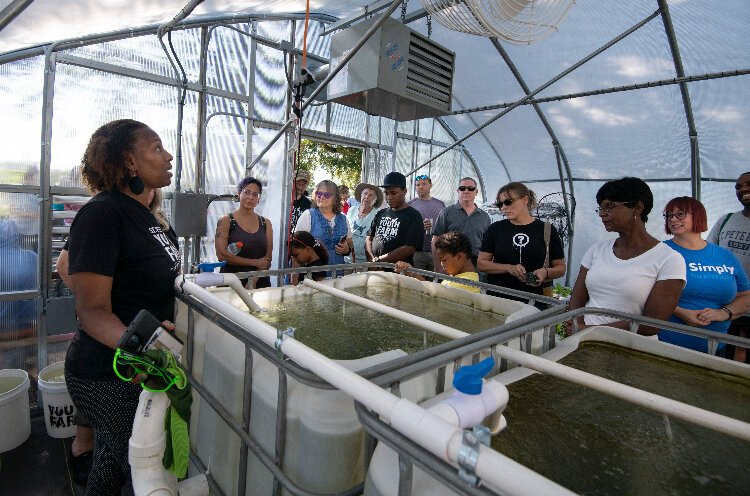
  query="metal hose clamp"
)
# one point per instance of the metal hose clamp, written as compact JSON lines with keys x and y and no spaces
{"x":289,"y":331}
{"x":469,"y":453}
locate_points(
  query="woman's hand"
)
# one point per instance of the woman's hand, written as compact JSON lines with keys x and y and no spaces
{"x":541,"y":275}
{"x":693,"y":318}
{"x":342,"y":248}
{"x":139,"y":378}
{"x":709,"y":315}
{"x":262,"y":263}
{"x":519,"y":272}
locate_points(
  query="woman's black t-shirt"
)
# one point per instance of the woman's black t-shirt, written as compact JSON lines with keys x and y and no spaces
{"x":116,"y":236}
{"x":512,"y":244}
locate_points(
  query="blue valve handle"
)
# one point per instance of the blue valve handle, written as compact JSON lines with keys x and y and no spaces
{"x":210,"y":266}
{"x":468,"y":379}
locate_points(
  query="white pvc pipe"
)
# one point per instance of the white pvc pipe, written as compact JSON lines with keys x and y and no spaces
{"x":676,"y":409}
{"x":206,"y":279}
{"x":428,"y":430}
{"x":147,"y":443}
{"x":415,"y":320}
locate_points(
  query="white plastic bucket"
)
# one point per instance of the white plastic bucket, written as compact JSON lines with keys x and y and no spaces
{"x":15,"y":419}
{"x":58,"y":407}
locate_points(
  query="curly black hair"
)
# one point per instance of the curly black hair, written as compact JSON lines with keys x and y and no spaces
{"x":454,"y":242}
{"x":103,"y":165}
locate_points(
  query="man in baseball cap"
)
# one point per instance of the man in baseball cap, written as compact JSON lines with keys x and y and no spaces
{"x":396,"y":231}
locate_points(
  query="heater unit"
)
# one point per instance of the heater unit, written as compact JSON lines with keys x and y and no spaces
{"x":398,"y":73}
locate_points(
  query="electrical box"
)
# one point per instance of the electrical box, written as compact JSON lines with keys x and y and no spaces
{"x":398,"y":73}
{"x":189,"y":214}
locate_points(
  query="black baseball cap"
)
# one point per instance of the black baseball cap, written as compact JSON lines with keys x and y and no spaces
{"x":394,"y":179}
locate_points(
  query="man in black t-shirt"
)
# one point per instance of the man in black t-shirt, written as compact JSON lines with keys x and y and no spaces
{"x":397,"y":231}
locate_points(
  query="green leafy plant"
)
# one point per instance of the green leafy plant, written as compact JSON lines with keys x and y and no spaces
{"x":560,"y":291}
{"x":563,"y":293}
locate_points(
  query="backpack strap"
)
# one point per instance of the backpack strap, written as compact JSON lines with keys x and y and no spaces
{"x":232,"y":224}
{"x":723,"y":223}
{"x":547,"y":235}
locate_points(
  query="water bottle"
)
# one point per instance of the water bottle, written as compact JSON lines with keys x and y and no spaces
{"x":235,"y":247}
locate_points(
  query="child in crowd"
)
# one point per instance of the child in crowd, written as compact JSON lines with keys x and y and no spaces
{"x":308,"y":252}
{"x":453,"y":249}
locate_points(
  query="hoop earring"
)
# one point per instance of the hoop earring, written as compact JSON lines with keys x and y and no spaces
{"x":135,"y":183}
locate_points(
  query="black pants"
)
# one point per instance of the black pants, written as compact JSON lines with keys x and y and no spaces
{"x":110,"y":406}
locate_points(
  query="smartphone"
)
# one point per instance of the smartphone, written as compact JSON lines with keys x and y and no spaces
{"x":139,"y":333}
{"x":531,"y":279}
{"x":343,"y":238}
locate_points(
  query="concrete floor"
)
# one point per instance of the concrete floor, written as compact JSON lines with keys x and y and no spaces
{"x":38,"y":467}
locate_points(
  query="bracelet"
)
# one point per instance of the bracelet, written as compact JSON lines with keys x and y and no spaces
{"x":731,"y":314}
{"x":546,"y":271}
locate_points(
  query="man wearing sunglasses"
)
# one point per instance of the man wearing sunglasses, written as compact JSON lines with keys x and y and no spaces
{"x":396,"y":231}
{"x":430,"y":208}
{"x":463,"y":216}
{"x":732,"y":231}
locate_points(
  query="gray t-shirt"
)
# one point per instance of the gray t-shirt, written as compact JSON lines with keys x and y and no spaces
{"x":734,"y":236}
{"x":430,"y":209}
{"x":455,"y":218}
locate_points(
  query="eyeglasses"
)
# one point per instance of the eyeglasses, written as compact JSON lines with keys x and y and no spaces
{"x":423,"y":176}
{"x":323,"y":194}
{"x":607,"y":207}
{"x":464,"y":188}
{"x":679,"y":215}
{"x":251,"y":194}
{"x":507,"y":202}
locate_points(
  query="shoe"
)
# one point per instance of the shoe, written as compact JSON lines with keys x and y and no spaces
{"x":81,"y":467}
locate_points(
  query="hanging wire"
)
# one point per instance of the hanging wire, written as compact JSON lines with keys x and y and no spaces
{"x":304,"y":36}
{"x":429,"y":26}
{"x":403,"y":11}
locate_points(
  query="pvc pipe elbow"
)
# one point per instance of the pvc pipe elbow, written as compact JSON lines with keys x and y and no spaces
{"x":146,"y":447}
{"x":207,"y":279}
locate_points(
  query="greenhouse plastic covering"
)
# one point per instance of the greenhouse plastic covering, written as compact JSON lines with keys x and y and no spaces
{"x":643,"y":130}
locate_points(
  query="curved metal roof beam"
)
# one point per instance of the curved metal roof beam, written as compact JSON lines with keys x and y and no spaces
{"x":12,"y":10}
{"x":695,"y":158}
{"x":549,"y":83}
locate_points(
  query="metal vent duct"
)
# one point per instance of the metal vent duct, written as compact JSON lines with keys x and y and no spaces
{"x":398,"y":73}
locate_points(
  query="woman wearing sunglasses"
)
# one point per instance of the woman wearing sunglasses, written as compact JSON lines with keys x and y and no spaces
{"x":520,"y":252}
{"x":326,"y":222}
{"x":633,"y":273}
{"x":717,"y":289}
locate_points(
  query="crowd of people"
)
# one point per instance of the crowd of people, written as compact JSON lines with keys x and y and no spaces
{"x":123,"y":257}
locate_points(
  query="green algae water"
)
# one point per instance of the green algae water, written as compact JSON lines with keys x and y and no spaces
{"x":595,"y":444}
{"x":346,"y":331}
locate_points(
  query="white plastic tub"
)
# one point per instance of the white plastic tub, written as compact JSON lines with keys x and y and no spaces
{"x":324,"y":447}
{"x":15,"y":419}
{"x":383,"y":474}
{"x":57,"y":406}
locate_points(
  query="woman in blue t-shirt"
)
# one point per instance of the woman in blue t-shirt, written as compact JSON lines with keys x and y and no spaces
{"x":717,"y":288}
